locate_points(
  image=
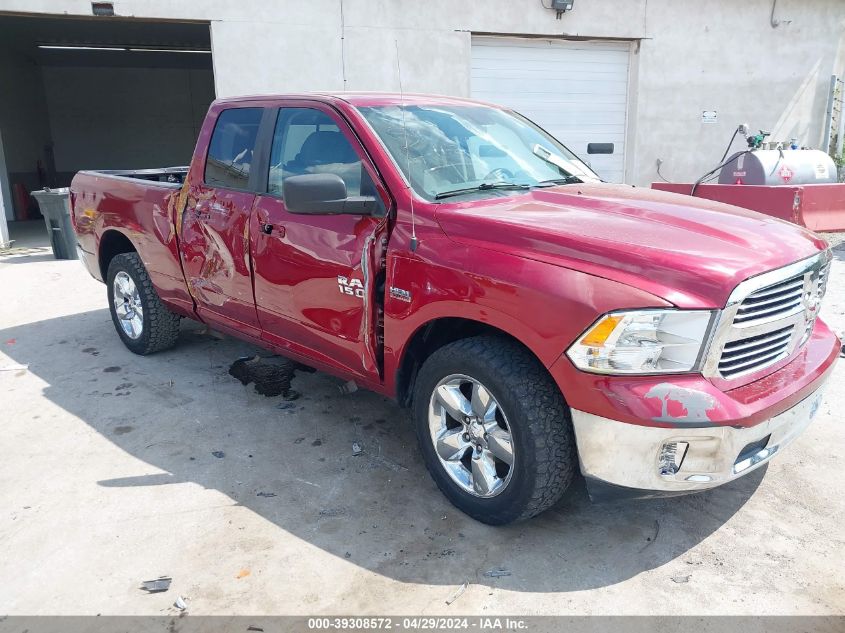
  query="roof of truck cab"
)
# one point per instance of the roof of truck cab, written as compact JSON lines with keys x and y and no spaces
{"x":361,"y":99}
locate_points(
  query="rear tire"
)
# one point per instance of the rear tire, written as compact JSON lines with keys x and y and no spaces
{"x":142,"y":321}
{"x":529,"y":416}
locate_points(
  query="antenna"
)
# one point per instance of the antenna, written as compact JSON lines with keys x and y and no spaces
{"x":414,"y":241}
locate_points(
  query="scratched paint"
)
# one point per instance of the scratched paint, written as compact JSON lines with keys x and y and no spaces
{"x":679,"y":404}
{"x":162,"y":224}
{"x":214,"y":245}
{"x":179,"y":203}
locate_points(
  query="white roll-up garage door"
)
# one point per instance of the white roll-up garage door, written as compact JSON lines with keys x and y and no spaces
{"x":577,"y":91}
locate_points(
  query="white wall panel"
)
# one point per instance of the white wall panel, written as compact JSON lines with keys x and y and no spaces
{"x":577,"y":91}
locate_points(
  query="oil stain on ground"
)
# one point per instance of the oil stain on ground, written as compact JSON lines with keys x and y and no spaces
{"x":272,"y":375}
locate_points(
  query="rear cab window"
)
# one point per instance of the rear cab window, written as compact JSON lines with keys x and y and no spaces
{"x":232,"y":147}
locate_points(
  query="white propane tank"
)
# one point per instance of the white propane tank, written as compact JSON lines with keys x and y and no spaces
{"x":779,"y":167}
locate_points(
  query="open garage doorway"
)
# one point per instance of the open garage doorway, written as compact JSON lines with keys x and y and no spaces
{"x":99,"y":93}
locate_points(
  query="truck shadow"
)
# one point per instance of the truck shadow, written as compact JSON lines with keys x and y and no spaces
{"x":292,"y":463}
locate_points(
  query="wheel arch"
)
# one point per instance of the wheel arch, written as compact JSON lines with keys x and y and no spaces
{"x":434,"y":334}
{"x":112,"y":243}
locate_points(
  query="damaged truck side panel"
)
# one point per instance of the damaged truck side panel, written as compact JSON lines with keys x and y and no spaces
{"x":117,"y":214}
{"x":535,"y":319}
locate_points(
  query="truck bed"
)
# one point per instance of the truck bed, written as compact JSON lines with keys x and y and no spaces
{"x":139,"y":205}
{"x":164,"y":175}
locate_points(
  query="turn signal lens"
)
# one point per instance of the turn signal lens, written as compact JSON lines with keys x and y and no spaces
{"x":644,"y":342}
{"x":601,"y":331}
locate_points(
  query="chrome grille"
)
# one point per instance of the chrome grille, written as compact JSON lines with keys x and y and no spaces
{"x":768,"y":318}
{"x":822,"y":287}
{"x":743,"y":354}
{"x":771,"y":302}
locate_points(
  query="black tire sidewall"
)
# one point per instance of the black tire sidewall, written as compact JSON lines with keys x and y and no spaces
{"x":511,"y":503}
{"x":124,"y":263}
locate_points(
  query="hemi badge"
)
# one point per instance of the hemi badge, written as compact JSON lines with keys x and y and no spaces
{"x":398,"y":293}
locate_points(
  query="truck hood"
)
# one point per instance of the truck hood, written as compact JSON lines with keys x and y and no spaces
{"x":688,"y":251}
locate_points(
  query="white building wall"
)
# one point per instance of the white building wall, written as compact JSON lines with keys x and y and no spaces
{"x":692,"y":55}
{"x":726,"y":56}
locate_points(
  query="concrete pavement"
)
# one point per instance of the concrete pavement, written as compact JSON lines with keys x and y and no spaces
{"x":118,"y":469}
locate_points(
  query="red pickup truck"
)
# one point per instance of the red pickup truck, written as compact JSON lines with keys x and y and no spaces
{"x":456,"y":257}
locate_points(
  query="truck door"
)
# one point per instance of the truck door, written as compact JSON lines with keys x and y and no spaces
{"x":315,"y":274}
{"x":215,"y":222}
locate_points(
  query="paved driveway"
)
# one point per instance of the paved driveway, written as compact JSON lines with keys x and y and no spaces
{"x":117,"y":469}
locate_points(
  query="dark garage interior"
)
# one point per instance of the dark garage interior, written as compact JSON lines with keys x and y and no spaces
{"x":98,"y":93}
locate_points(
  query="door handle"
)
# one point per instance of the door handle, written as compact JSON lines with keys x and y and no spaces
{"x":268,"y":228}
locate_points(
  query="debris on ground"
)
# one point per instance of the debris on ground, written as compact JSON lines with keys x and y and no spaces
{"x":272,"y":375}
{"x":14,"y":368}
{"x":180,"y":603}
{"x":287,"y":405}
{"x":266,"y":494}
{"x":497,"y":573}
{"x":457,"y":593}
{"x":207,"y":331}
{"x":680,"y":579}
{"x":348,"y":387}
{"x":242,"y":574}
{"x":651,"y":539}
{"x":356,"y":448}
{"x":388,"y":463}
{"x":218,"y":454}
{"x":254,"y":628}
{"x":162,"y":583}
{"x":333,"y":512}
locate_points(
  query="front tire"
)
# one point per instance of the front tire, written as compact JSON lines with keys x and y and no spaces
{"x":494,"y":430}
{"x":142,"y":321}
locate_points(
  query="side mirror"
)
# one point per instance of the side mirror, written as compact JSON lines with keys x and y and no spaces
{"x":323,"y":194}
{"x":599,"y":148}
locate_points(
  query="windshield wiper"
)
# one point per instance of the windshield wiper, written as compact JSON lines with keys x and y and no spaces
{"x":484,"y":186}
{"x":566,"y":180}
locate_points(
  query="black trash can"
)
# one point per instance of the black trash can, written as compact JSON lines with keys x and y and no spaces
{"x":55,"y":207}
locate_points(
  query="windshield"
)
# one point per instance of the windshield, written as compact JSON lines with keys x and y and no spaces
{"x":455,"y":150}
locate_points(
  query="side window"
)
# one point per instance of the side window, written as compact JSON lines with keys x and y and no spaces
{"x":308,"y":141}
{"x":231,"y":148}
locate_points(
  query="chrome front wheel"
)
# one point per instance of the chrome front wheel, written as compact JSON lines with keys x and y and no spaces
{"x":471,"y":435}
{"x":494,"y":430}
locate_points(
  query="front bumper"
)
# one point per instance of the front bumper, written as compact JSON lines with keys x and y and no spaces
{"x":651,"y":461}
{"x":646,"y":436}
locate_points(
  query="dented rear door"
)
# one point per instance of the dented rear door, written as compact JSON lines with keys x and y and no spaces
{"x":215,"y":219}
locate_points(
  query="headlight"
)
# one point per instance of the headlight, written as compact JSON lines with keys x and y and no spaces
{"x":644,"y":342}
